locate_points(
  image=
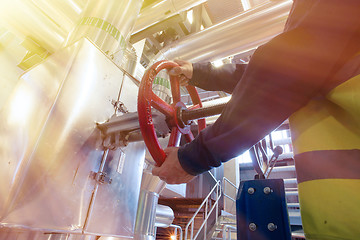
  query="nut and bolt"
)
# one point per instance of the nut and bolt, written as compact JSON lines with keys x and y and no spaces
{"x":271,"y":227}
{"x":252,"y":227}
{"x":267,"y":190}
{"x":251,"y":190}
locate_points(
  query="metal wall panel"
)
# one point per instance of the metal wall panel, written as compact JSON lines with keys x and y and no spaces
{"x":115,"y":204}
{"x":52,"y":151}
{"x":23,"y":117}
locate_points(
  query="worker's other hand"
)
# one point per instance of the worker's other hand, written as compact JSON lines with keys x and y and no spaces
{"x":184,"y":71}
{"x":171,"y":171}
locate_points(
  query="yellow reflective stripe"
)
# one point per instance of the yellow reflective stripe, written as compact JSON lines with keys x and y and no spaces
{"x":329,"y":123}
{"x":316,"y":127}
{"x":330,"y":209}
{"x":347,"y":96}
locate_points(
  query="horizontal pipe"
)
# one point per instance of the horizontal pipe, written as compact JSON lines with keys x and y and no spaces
{"x":236,"y":35}
{"x":164,"y":216}
{"x":159,"y":11}
{"x":194,"y":114}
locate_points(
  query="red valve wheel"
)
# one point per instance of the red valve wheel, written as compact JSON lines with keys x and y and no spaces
{"x":147,"y":99}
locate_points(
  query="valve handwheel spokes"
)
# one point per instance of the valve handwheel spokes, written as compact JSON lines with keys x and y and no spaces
{"x":147,"y":99}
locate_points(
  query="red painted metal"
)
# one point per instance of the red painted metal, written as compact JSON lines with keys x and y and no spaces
{"x":147,"y":99}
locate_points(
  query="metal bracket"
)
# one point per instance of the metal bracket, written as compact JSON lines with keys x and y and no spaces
{"x":261,"y":211}
{"x":100,"y":177}
{"x":120,"y":106}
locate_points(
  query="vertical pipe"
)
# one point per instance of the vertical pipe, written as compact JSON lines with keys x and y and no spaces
{"x":206,"y":216}
{"x":192,"y":230}
{"x":151,"y":186}
{"x":217,"y":204}
{"x":145,"y":217}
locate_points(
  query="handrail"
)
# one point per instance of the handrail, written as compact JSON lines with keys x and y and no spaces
{"x":227,"y":229}
{"x":217,"y":189}
{"x":176,"y":227}
{"x":224,"y":190}
{"x":213,"y":177}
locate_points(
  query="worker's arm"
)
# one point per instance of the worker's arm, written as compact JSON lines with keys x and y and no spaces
{"x":281,"y":77}
{"x":208,"y":77}
{"x":211,"y":78}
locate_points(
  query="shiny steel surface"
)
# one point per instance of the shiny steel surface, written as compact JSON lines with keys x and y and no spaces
{"x":159,"y":11}
{"x":63,"y":12}
{"x":8,"y":234}
{"x":152,"y":183}
{"x":46,"y":22}
{"x":115,"y":204}
{"x":23,"y":117}
{"x":233,"y":36}
{"x":164,"y":216}
{"x":107,"y":23}
{"x":51,"y":144}
{"x":36,"y":24}
{"x":145,"y":218}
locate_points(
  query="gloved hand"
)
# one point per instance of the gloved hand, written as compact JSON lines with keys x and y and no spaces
{"x":184,"y":71}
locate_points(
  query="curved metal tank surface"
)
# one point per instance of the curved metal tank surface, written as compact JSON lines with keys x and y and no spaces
{"x":107,"y":23}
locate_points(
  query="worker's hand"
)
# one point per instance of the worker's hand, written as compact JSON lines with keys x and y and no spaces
{"x":171,"y":171}
{"x":184,"y":71}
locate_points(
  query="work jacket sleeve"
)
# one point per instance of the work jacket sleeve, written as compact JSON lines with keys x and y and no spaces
{"x":211,"y":78}
{"x":281,"y":77}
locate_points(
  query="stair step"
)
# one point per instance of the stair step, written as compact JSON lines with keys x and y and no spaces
{"x":286,"y":156}
{"x":187,"y":216}
{"x":290,"y":181}
{"x":293,"y":205}
{"x":291,"y":193}
{"x":290,"y":168}
{"x":181,"y":201}
{"x":298,"y":234}
{"x":295,"y":218}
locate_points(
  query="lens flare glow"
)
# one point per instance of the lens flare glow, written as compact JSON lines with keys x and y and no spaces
{"x":21,"y":106}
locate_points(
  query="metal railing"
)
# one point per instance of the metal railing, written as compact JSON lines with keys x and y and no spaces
{"x":176,"y":227}
{"x":207,"y":201}
{"x":225,"y":180}
{"x":226,"y":232}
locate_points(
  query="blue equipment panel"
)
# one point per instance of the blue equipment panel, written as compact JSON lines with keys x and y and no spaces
{"x":261,"y":211}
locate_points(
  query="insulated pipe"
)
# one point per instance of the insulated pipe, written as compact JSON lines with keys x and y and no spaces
{"x":159,"y":11}
{"x":65,"y":13}
{"x":236,"y":35}
{"x":148,"y":211}
{"x":164,"y":216}
{"x":145,"y":217}
{"x":107,"y":23}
